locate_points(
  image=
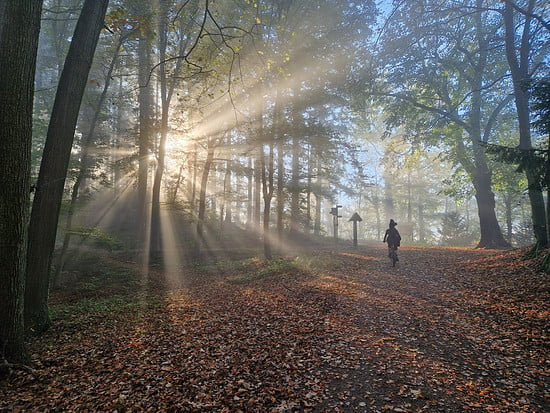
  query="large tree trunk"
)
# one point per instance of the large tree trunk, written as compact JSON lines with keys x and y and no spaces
{"x":19,"y":28}
{"x":55,"y":161}
{"x":491,"y":234}
{"x":519,"y":69}
{"x":480,"y":174}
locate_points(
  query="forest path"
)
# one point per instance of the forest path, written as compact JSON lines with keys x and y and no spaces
{"x":446,"y":330}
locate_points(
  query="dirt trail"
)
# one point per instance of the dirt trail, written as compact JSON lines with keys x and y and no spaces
{"x":446,"y":330}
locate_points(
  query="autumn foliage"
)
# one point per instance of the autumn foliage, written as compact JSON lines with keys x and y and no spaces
{"x":446,"y":330}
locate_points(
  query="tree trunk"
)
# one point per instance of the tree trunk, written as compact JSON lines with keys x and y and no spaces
{"x":55,"y":161}
{"x":145,"y":131}
{"x":508,"y":199}
{"x":480,"y":174}
{"x":491,"y":234}
{"x":227,"y":193}
{"x":19,"y":28}
{"x":249,"y":194}
{"x":257,"y":190}
{"x":84,"y":163}
{"x":318,"y":196}
{"x":267,"y":176}
{"x":295,"y":191}
{"x":165,"y":97}
{"x":519,"y":69}
{"x":278,"y":120}
{"x":309,"y":190}
{"x":202,"y":195}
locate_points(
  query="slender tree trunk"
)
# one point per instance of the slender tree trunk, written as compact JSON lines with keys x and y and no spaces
{"x":318,"y":197}
{"x":295,"y":192}
{"x":508,"y":207}
{"x":249,"y":194}
{"x":202,"y":195}
{"x":257,"y":214}
{"x":227,"y":193}
{"x":278,"y":120}
{"x":156,"y":236}
{"x":309,"y":190}
{"x":55,"y":161}
{"x":376,"y":205}
{"x":166,"y":92}
{"x":84,"y":163}
{"x":174,"y":195}
{"x":267,"y":176}
{"x":192,"y":183}
{"x":19,"y":28}
{"x":145,"y":137}
{"x":115,"y":157}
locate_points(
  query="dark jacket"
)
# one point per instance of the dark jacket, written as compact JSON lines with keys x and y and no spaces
{"x":392,"y":237}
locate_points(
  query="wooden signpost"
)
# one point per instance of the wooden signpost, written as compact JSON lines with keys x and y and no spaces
{"x":355,"y":218}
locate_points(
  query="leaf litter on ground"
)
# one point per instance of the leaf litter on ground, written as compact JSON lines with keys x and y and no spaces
{"x":447,"y":330}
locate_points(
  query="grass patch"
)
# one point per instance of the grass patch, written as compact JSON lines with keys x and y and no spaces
{"x":255,"y":269}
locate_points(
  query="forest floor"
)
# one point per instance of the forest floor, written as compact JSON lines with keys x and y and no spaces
{"x":446,"y":330}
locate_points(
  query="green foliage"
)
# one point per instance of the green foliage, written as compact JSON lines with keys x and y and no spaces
{"x":104,"y":306}
{"x":98,"y":237}
{"x":255,"y":269}
{"x":525,"y":159}
{"x":458,"y":186}
{"x":541,"y":105}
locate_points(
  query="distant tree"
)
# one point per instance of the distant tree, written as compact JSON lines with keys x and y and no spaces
{"x":19,"y":29}
{"x":55,"y":161}
{"x":454,"y":230}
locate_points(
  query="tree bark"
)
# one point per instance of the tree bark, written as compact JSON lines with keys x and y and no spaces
{"x":19,"y":29}
{"x":55,"y":161}
{"x":491,"y":234}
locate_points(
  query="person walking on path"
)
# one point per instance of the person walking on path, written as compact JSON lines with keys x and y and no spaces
{"x":393,"y":238}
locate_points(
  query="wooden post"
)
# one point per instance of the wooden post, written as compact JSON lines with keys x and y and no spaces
{"x":355,"y":218}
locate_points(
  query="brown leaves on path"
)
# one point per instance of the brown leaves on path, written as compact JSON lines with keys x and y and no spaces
{"x":447,"y":330}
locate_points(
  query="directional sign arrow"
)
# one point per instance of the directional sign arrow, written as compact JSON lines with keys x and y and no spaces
{"x":355,"y":218}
